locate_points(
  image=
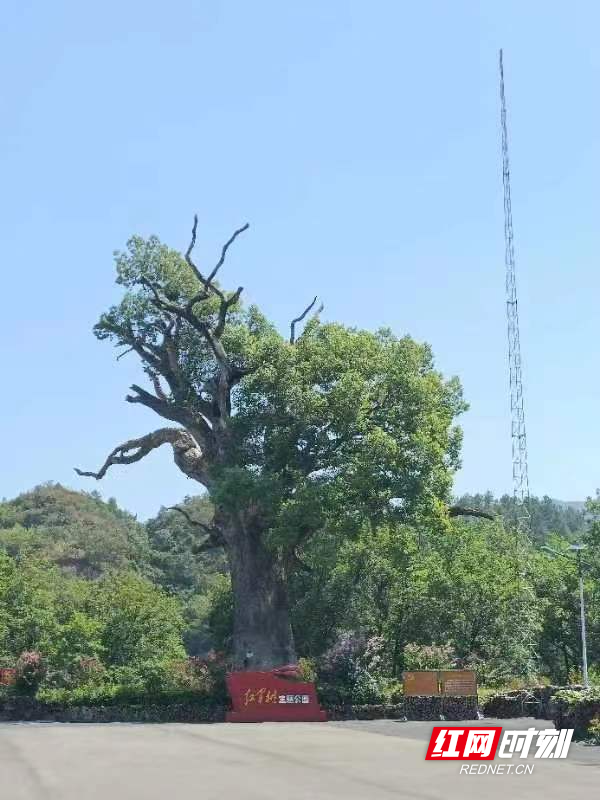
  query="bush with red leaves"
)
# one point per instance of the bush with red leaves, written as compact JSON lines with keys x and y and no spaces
{"x":30,"y":672}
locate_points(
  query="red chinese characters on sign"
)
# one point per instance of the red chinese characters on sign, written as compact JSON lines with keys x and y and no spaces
{"x":268,"y":697}
{"x":466,"y":744}
{"x":262,"y":695}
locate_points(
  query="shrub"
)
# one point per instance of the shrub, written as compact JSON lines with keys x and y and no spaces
{"x":433,"y":656}
{"x":202,"y":675}
{"x":392,"y":691}
{"x":114,"y":695}
{"x":89,"y":671}
{"x":593,"y":730}
{"x":156,"y":676}
{"x":573,"y":708}
{"x":375,"y":658}
{"x":307,"y":669}
{"x":342,"y":672}
{"x":30,"y":672}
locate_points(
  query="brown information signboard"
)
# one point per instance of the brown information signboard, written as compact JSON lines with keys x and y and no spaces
{"x":435,"y":683}
{"x":459,"y":682}
{"x":423,"y":684}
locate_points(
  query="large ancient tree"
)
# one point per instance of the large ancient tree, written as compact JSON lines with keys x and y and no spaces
{"x":329,"y":427}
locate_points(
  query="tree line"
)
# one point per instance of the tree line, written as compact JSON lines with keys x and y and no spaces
{"x":82,"y":580}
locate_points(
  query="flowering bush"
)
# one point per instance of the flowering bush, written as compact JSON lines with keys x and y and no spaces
{"x":433,"y":656}
{"x":84,"y":671}
{"x":202,"y":675}
{"x":343,"y":672}
{"x":30,"y":672}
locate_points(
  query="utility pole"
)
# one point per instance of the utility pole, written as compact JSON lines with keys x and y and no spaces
{"x":586,"y":681}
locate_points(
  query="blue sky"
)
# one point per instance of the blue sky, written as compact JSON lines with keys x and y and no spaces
{"x":361,"y":141}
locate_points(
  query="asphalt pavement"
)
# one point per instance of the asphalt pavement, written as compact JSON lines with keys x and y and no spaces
{"x":362,"y":760}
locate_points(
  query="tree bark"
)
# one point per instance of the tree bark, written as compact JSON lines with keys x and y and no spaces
{"x":262,"y":634}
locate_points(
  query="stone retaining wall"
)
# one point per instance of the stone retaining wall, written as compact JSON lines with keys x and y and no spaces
{"x":537,"y":701}
{"x":24,"y":709}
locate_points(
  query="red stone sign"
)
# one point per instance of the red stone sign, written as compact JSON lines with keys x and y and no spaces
{"x":267,"y":697}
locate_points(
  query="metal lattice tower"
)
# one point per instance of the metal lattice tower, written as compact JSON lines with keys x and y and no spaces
{"x":519,"y":437}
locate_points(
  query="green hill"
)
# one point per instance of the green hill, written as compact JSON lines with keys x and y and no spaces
{"x":76,"y":530}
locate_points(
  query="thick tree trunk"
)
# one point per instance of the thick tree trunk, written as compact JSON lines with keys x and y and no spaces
{"x":262,"y":634}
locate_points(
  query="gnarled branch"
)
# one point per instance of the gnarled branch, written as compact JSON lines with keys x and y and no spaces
{"x":124,"y":353}
{"x":214,"y":536}
{"x":226,"y":247}
{"x":157,"y":387}
{"x":299,"y":319}
{"x":170,"y":411}
{"x":187,"y":453}
{"x":225,"y":306}
{"x":195,"y":522}
{"x":208,"y":282}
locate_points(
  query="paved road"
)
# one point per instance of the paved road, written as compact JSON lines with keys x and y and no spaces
{"x":356,"y":760}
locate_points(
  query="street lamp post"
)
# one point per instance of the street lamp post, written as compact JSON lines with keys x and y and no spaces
{"x":586,"y":681}
{"x":577,"y":548}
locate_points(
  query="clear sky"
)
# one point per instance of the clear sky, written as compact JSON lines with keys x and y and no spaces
{"x":361,"y":141}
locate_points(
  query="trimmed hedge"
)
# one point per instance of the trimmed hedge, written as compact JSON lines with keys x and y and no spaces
{"x":110,"y":695}
{"x":576,"y":709}
{"x":29,"y":709}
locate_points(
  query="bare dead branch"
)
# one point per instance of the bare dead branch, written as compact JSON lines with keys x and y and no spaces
{"x":126,"y":336}
{"x":162,"y":358}
{"x":208,"y":544}
{"x":161,"y":302}
{"x":208,"y":282}
{"x":464,"y":511}
{"x":197,"y":298}
{"x":225,"y":306}
{"x":158,"y":388}
{"x":299,"y":319}
{"x":196,"y":523}
{"x":159,"y":404}
{"x":194,"y":422}
{"x":226,"y":247}
{"x":124,"y":353}
{"x":187,"y":453}
{"x":188,"y":252}
{"x":214,"y":537}
{"x":133,"y":450}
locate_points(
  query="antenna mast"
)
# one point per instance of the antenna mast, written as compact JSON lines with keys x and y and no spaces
{"x":519,"y":437}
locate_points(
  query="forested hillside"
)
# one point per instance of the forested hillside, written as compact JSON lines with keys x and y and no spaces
{"x":75,"y":530}
{"x":82,"y":579}
{"x":546,"y":515}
